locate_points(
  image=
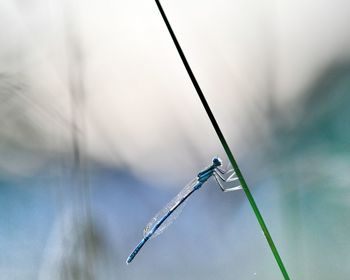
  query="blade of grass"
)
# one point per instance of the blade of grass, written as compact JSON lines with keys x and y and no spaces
{"x":225,"y":145}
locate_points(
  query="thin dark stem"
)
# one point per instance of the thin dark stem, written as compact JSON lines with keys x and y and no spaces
{"x":225,"y":146}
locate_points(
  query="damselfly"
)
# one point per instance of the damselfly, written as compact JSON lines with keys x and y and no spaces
{"x":171,"y":211}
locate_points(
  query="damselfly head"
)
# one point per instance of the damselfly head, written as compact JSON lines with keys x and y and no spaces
{"x":217,"y":161}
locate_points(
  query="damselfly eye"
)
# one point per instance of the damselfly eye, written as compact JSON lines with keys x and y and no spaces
{"x":217,"y":161}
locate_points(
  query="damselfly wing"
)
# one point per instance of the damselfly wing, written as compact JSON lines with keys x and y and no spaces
{"x":173,"y":203}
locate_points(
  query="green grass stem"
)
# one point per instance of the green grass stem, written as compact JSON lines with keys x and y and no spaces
{"x":226,"y":147}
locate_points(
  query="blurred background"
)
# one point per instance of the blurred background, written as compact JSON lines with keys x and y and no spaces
{"x":101,"y":127}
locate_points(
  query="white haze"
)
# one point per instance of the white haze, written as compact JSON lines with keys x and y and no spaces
{"x":136,"y":104}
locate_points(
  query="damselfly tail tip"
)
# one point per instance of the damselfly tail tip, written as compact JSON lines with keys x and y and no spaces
{"x":128,"y":260}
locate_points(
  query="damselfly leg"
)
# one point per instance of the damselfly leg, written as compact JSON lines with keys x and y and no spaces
{"x":231,"y":178}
